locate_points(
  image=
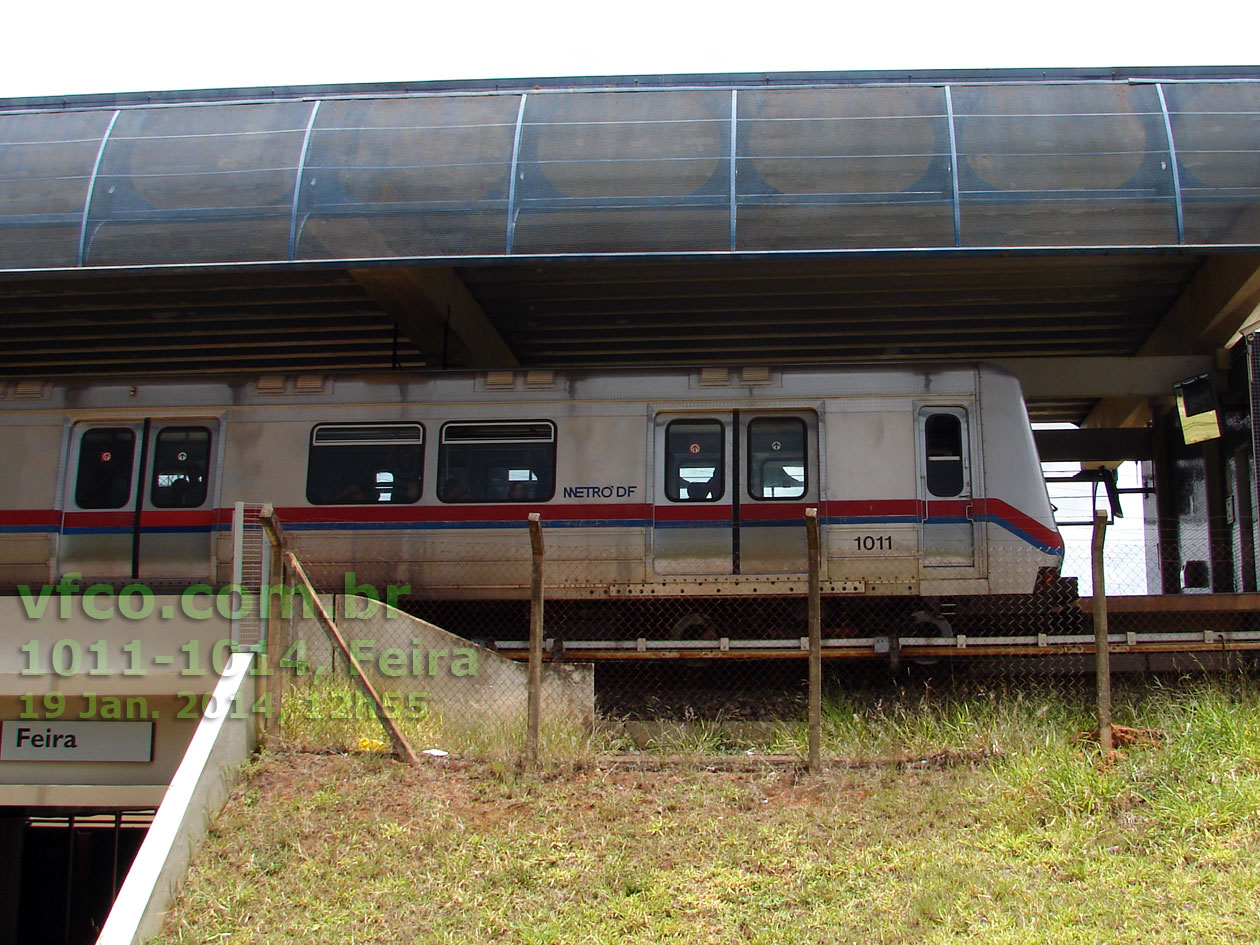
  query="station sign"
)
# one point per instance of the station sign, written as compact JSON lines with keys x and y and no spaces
{"x":76,"y":741}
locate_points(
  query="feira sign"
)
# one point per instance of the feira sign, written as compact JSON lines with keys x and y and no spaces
{"x":76,"y":741}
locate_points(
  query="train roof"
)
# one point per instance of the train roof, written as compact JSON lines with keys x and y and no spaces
{"x":525,"y":385}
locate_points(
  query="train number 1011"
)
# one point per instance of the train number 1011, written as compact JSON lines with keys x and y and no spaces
{"x":873,"y":542}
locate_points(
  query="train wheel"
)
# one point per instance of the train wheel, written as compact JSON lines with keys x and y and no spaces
{"x":695,"y":625}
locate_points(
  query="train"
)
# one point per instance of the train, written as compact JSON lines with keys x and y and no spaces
{"x":651,"y":484}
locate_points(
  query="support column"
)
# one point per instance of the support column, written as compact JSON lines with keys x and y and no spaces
{"x":1245,"y":517}
{"x":1166,"y":511}
{"x":1220,"y":545}
{"x":1253,"y":417}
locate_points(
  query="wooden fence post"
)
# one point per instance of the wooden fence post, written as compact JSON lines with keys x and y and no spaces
{"x":401,"y":747}
{"x":534,"y":696}
{"x":1102,"y":649}
{"x":815,"y":640}
{"x":277,"y":638}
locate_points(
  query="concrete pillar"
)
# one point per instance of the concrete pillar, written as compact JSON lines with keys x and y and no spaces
{"x":1166,"y":509}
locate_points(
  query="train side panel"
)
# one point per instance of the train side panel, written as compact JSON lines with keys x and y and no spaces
{"x":870,"y":508}
{"x":886,"y":532}
{"x":31,"y":445}
{"x":1022,"y":535}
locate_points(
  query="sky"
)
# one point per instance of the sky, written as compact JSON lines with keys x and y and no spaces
{"x":141,"y":45}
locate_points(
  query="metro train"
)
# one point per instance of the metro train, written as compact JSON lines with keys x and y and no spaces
{"x":662,"y":483}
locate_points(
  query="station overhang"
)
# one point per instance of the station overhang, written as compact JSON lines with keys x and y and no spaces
{"x":700,"y":219}
{"x":739,"y":164}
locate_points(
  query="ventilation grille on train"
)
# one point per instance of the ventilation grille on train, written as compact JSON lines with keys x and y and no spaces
{"x":512,"y":432}
{"x":376,"y":434}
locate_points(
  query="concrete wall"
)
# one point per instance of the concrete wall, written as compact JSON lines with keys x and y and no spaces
{"x":199,"y":789}
{"x":467,"y":684}
{"x":60,"y":663}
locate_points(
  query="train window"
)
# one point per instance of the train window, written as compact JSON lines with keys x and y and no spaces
{"x":104,"y":475}
{"x":776,"y":458}
{"x":695,"y":468}
{"x":365,"y":464}
{"x":181,"y":468}
{"x":497,"y":462}
{"x":943,"y":450}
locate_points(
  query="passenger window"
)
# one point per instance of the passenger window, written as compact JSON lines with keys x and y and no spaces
{"x":776,"y":458}
{"x":181,"y":467}
{"x":365,"y":464}
{"x":943,"y":451}
{"x":104,"y":475}
{"x":497,"y":462}
{"x":695,"y":470}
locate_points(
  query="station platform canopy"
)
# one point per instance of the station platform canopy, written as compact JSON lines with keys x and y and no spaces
{"x":747,"y":165}
{"x":635,"y":219}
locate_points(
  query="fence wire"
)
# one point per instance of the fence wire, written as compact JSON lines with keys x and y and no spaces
{"x":715,"y":666}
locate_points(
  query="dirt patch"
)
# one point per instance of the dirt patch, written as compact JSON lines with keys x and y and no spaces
{"x":1122,"y":736}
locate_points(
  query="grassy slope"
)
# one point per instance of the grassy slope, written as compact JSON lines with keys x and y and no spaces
{"x":1039,"y":843}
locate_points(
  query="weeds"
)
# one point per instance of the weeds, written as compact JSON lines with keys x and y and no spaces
{"x":1033,"y":837}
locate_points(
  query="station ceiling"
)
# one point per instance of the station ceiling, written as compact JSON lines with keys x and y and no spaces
{"x":715,"y":220}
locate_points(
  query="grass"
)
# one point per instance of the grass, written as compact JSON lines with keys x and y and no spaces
{"x":978,"y":819}
{"x":334,"y":715}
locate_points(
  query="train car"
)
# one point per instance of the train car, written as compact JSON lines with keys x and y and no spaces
{"x":650,"y":483}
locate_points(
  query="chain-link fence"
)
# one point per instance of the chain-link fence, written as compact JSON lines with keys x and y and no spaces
{"x":721,"y":663}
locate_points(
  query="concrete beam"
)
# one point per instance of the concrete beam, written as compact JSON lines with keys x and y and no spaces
{"x":1068,"y":378}
{"x":1218,"y":301}
{"x":1223,"y":296}
{"x":435,"y":309}
{"x":1094,"y":446}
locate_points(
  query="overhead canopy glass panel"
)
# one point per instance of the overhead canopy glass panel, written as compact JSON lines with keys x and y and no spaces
{"x":1217,"y":132}
{"x":1063,"y":165}
{"x":46,"y":162}
{"x":824,"y":168}
{"x":624,"y":172}
{"x":197,"y":184}
{"x":408,"y":177}
{"x":596,"y":171}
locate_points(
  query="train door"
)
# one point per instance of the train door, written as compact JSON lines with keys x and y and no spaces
{"x":693,"y":525}
{"x":949,"y":531}
{"x":731,"y":491}
{"x":779,"y":463}
{"x":139,"y":500}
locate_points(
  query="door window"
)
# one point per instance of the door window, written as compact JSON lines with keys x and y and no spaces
{"x":694,"y":467}
{"x":104,"y":474}
{"x":181,"y":468}
{"x":943,"y":453}
{"x":776,"y":458}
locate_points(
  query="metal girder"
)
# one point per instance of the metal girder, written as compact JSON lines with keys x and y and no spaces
{"x":1219,"y":300}
{"x":1094,"y":445}
{"x":1223,"y":296}
{"x":436,"y":310}
{"x":1139,"y":377}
